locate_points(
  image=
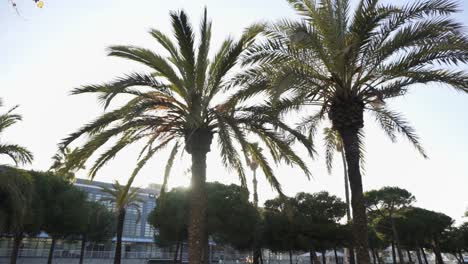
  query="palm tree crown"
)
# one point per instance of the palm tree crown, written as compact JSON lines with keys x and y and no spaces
{"x":18,"y":154}
{"x":177,"y":99}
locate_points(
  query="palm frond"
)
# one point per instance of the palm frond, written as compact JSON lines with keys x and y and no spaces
{"x":18,"y":154}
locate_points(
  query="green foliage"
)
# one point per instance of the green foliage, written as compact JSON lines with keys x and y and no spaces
{"x":170,"y":217}
{"x":16,"y":200}
{"x":305,"y":222}
{"x":387,"y":201}
{"x":18,"y":154}
{"x":231,"y":217}
{"x":64,"y":206}
{"x":184,"y":94}
{"x":100,"y":223}
{"x":421,"y":226}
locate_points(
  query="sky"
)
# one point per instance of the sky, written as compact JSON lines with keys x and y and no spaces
{"x":44,"y":53}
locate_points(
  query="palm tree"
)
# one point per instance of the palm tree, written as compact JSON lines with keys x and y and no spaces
{"x":344,"y":64}
{"x":60,"y":166}
{"x":122,"y":197}
{"x":18,"y":154}
{"x":183,"y":100}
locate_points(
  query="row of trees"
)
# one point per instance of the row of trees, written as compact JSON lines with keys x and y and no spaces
{"x":32,"y":202}
{"x":312,"y":223}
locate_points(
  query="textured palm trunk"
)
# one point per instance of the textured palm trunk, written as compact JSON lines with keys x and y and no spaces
{"x":397,"y":240}
{"x":118,"y":244}
{"x":16,"y":245}
{"x":256,"y":250}
{"x":347,"y":116}
{"x":198,"y":145}
{"x":82,"y":250}
{"x":51,"y":251}
{"x":351,"y":256}
{"x":352,"y":151}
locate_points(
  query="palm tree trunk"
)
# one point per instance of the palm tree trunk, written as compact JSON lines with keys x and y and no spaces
{"x":424,"y":255}
{"x":418,"y":255}
{"x":324,"y":257}
{"x":176,"y":252}
{"x":118,"y":244}
{"x":290,"y":257}
{"x":461,"y":257}
{"x":198,"y":145}
{"x":311,"y":255}
{"x":352,"y":151}
{"x":82,"y":251}
{"x":256,"y":250}
{"x":348,"y":204}
{"x":377,"y":255}
{"x":397,"y":240}
{"x":394,"y":253}
{"x":51,"y":251}
{"x":16,"y":245}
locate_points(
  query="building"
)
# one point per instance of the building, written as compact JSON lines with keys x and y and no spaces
{"x":138,"y":234}
{"x":137,"y":243}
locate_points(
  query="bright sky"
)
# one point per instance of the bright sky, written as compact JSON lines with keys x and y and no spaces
{"x":47,"y":52}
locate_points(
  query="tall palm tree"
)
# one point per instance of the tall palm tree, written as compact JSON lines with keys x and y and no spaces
{"x":183,"y":100}
{"x":344,"y":64}
{"x":18,"y":154}
{"x":122,"y":197}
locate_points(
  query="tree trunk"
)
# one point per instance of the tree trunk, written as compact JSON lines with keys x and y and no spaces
{"x":290,"y":257}
{"x":437,"y":251}
{"x":311,"y":255}
{"x":397,"y":240}
{"x":118,"y":244}
{"x":461,"y":257}
{"x":377,"y":255}
{"x":348,"y":205}
{"x":180,"y":253}
{"x":410,"y":260}
{"x":336,"y":255}
{"x":393,"y":253}
{"x":373,"y":255}
{"x":351,"y":144}
{"x":176,"y":252}
{"x":198,"y":145}
{"x":82,"y":251}
{"x":51,"y":251}
{"x":424,"y":255}
{"x":324,"y":257}
{"x":16,"y":246}
{"x":418,"y":255}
